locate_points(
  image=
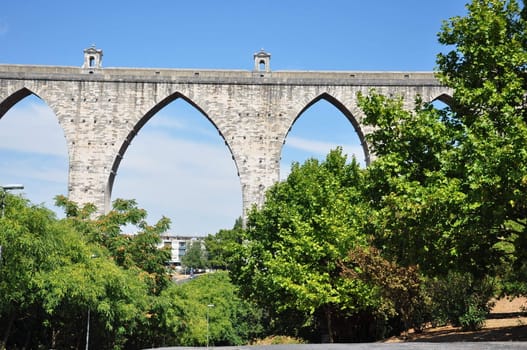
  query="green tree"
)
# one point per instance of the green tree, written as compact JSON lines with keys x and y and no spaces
{"x":137,"y":254}
{"x":195,"y":255}
{"x":421,"y":210}
{"x":449,"y":185}
{"x":222,"y":246}
{"x":26,"y":234}
{"x":487,"y":70}
{"x":289,"y":260}
{"x":210,"y":302}
{"x":138,"y":251}
{"x":400,"y":287}
{"x":51,"y":276}
{"x":116,"y":299}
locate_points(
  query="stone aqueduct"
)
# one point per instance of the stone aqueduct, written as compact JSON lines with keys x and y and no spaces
{"x":102,"y":109}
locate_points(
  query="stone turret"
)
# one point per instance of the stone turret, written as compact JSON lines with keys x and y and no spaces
{"x":262,"y":61}
{"x":92,"y":58}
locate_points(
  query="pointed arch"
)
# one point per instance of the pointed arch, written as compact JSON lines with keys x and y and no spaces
{"x":33,"y":153}
{"x":345,"y":111}
{"x":13,"y":99}
{"x":141,"y":123}
{"x":445,"y":98}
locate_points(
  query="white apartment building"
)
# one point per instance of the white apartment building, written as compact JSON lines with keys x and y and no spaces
{"x":178,"y":246}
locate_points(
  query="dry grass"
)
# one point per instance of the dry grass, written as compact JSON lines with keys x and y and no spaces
{"x":278,"y":339}
{"x":506,"y":323}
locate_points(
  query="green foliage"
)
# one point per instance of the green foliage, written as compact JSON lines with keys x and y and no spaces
{"x":422,"y":216}
{"x":278,"y":339}
{"x":474,"y":318}
{"x":137,"y":251}
{"x":399,"y":287}
{"x":486,"y":66}
{"x":117,"y":299}
{"x":51,"y":276}
{"x":54,"y":273}
{"x":26,"y":238}
{"x":487,"y":70}
{"x":450,"y":185}
{"x":289,"y":260}
{"x":222,"y":247}
{"x":186,"y":308}
{"x":460,"y":299}
{"x":195,"y":255}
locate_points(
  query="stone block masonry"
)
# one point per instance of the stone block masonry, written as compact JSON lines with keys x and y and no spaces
{"x":102,"y":109}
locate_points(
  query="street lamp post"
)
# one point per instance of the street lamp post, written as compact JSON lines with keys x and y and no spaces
{"x":93,"y":256}
{"x":88,"y":329}
{"x":208,"y":307}
{"x":3,"y":190}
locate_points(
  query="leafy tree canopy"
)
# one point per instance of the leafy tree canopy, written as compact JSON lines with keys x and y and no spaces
{"x":289,"y":261}
{"x":222,"y":247}
{"x":208,"y":301}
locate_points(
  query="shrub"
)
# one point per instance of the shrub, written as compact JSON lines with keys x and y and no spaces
{"x":460,"y":299}
{"x":399,"y":288}
{"x":278,"y":339}
{"x":473,"y":318}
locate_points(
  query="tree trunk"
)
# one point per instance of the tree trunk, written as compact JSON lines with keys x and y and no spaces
{"x":329,"y":324}
{"x":54,"y":334}
{"x":12,"y":315}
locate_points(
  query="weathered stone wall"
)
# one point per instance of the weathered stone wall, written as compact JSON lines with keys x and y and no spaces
{"x":101,"y":110}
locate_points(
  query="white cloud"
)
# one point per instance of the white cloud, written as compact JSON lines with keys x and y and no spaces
{"x":193,"y":183}
{"x":299,"y":149}
{"x":321,"y":148}
{"x":32,"y":128}
{"x":33,"y":152}
{"x":166,"y":123}
{"x":161,"y":153}
{"x":40,"y":168}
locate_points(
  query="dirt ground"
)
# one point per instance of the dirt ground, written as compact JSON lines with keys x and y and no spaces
{"x":507,"y":322}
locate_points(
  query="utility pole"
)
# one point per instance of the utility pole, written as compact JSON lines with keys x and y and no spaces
{"x":208,"y":307}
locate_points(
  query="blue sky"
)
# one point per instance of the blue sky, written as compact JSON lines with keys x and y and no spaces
{"x":198,"y":188}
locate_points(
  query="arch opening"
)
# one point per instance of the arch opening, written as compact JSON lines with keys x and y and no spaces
{"x":320,"y":127}
{"x":33,"y":149}
{"x":179,"y":166}
{"x":445,"y":99}
{"x":10,"y":101}
{"x":443,"y":104}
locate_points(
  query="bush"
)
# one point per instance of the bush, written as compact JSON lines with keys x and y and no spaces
{"x":278,"y":339}
{"x":404,"y":302}
{"x":473,"y":318}
{"x":460,"y":299}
